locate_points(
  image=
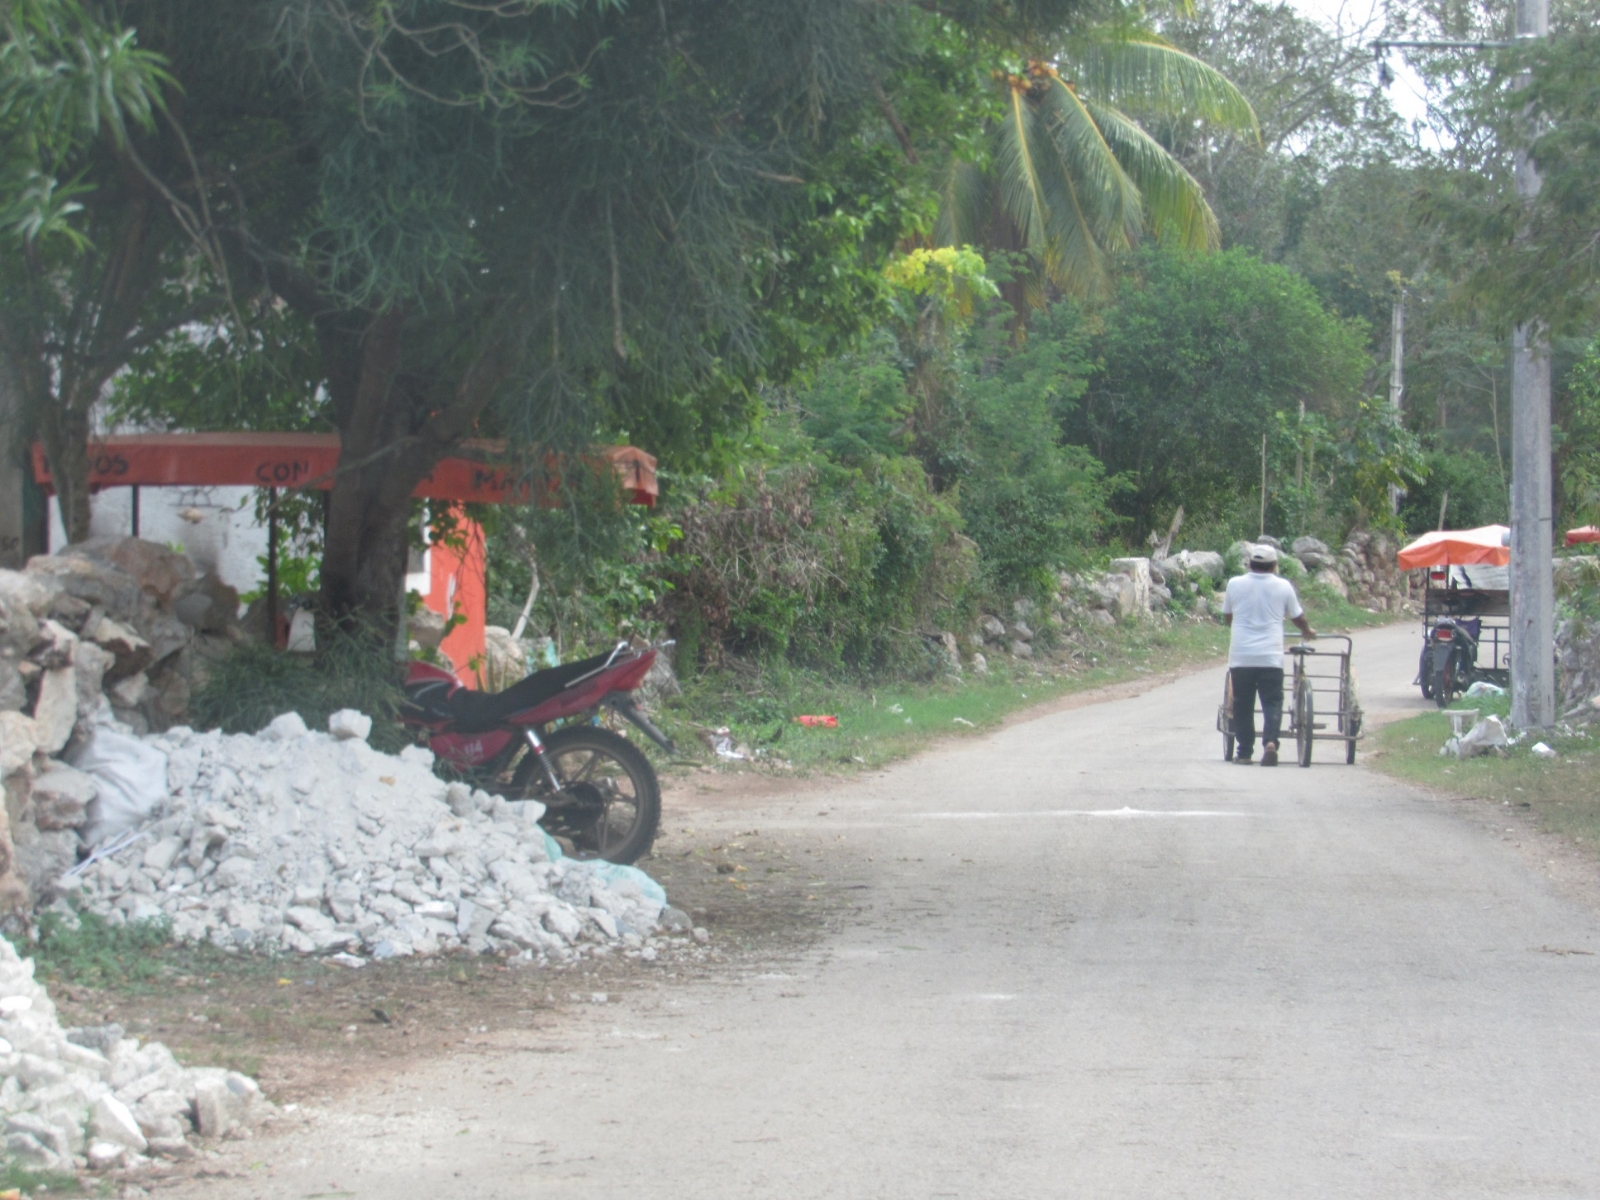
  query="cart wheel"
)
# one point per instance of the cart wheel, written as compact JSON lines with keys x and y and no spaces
{"x":1304,"y":720}
{"x":1227,"y":718}
{"x":1425,"y":673}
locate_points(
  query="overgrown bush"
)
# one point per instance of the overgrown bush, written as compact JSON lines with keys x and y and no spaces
{"x":256,"y":683}
{"x":820,"y":564}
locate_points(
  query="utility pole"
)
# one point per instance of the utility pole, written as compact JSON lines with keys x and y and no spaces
{"x":1533,"y":692}
{"x":1397,"y":370}
{"x":1533,"y":638}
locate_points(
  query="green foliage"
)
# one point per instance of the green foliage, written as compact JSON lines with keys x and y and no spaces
{"x":265,"y":375}
{"x":256,"y":683}
{"x":828,"y":566}
{"x":67,"y":80}
{"x":1477,"y":493}
{"x":1032,"y":504}
{"x":1578,"y":458}
{"x":1376,"y":452}
{"x":1536,"y":260}
{"x":1072,"y":179}
{"x":85,"y":949}
{"x":1197,"y":356}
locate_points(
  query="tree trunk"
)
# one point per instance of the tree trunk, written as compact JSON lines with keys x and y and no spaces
{"x":391,"y":437}
{"x":64,"y":430}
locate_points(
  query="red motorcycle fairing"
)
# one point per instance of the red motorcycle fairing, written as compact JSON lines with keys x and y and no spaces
{"x":470,"y":749}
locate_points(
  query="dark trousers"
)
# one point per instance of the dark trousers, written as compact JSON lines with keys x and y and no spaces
{"x":1247,"y":683}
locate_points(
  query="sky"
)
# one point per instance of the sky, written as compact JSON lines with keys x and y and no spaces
{"x":1407,"y":93}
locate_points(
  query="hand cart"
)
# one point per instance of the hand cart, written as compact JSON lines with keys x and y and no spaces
{"x":1321,"y":681}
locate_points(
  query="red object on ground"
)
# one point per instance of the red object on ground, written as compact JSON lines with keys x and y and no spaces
{"x":1486,"y":546}
{"x":1587,"y":533}
{"x":819,"y":722}
{"x":297,"y":460}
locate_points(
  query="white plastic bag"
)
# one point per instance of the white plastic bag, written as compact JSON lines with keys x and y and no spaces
{"x":131,"y":775}
{"x":1488,"y":736}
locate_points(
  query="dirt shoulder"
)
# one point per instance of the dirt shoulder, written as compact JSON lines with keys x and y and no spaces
{"x":1548,"y":809}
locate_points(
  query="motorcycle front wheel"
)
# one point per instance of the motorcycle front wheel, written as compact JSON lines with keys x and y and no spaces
{"x":609,"y":803}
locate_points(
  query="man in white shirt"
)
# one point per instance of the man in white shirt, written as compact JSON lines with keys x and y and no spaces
{"x":1255,"y":608}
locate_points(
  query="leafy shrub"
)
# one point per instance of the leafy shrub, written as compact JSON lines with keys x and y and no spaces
{"x":256,"y":683}
{"x":820,"y":564}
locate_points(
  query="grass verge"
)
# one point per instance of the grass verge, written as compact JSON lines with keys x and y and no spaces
{"x":1561,"y":794}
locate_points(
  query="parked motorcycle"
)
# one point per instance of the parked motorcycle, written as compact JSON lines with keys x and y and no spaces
{"x":601,"y":795}
{"x":1449,"y":660}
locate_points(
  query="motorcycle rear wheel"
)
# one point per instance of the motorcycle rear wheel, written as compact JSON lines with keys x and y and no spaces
{"x":609,"y":806}
{"x":1446,"y":681}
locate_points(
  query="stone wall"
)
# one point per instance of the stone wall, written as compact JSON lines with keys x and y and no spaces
{"x":119,"y":622}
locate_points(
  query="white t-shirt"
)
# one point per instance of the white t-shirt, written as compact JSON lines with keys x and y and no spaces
{"x":1259,"y":602}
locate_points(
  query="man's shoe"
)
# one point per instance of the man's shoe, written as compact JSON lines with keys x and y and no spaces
{"x":1243,"y":760}
{"x":1269,"y":755}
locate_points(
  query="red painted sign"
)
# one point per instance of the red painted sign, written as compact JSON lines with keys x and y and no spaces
{"x":298,"y":460}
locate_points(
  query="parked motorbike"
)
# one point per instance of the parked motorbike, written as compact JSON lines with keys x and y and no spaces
{"x":1449,"y":659}
{"x":601,"y":795}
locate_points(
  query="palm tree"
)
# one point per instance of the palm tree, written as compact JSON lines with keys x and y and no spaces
{"x":1072,"y":178}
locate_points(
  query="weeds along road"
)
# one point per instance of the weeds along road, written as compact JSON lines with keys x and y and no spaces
{"x":1088,"y":960}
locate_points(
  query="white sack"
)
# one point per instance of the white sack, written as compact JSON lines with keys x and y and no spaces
{"x":132,"y":777}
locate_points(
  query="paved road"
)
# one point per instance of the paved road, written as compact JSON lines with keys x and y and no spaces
{"x":1092,"y":961}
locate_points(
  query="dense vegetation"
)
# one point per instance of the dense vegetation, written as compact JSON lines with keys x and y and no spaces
{"x":918,"y":304}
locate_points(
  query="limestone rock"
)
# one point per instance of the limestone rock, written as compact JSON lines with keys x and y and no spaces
{"x":157,"y":570}
{"x":22,"y":592}
{"x":13,"y":691}
{"x":56,"y":711}
{"x":54,"y":645}
{"x":347,"y":723}
{"x":991,"y":627}
{"x":61,"y":797}
{"x":129,"y":651}
{"x":1333,"y":581}
{"x":1138,"y":571}
{"x":426,"y":628}
{"x":110,"y":1120}
{"x":91,"y":580}
{"x":19,"y":739}
{"x":1195,"y":563}
{"x":42,"y":857}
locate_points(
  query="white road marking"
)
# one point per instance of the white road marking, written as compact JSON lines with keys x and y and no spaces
{"x":1122,"y":814}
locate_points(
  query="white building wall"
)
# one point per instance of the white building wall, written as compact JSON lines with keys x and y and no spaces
{"x":225,"y":538}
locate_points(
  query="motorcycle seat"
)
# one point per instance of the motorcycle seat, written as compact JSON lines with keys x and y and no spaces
{"x":475,"y":712}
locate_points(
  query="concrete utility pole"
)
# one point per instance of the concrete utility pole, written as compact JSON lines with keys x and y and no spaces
{"x":1533,"y":694}
{"x":1397,"y":370}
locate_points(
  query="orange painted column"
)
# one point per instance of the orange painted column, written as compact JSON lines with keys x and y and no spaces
{"x":458,"y":585}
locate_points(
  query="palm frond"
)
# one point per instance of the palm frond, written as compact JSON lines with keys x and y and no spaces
{"x":1140,"y":71}
{"x":965,"y":197}
{"x":1105,"y":194}
{"x":1174,"y":204}
{"x":1017,"y":169}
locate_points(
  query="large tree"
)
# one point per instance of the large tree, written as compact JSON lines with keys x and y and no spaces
{"x":93,"y":250}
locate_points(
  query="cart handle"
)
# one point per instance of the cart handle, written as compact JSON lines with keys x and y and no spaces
{"x":1307,"y":648}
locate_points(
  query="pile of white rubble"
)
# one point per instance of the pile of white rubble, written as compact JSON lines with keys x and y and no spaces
{"x":311,"y":842}
{"x":75,"y":1098}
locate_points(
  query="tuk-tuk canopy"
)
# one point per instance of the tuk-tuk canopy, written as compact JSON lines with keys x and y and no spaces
{"x":1587,"y":533}
{"x":1490,"y":546}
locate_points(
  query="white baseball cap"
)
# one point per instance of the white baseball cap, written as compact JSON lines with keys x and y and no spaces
{"x":1263,"y":555}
